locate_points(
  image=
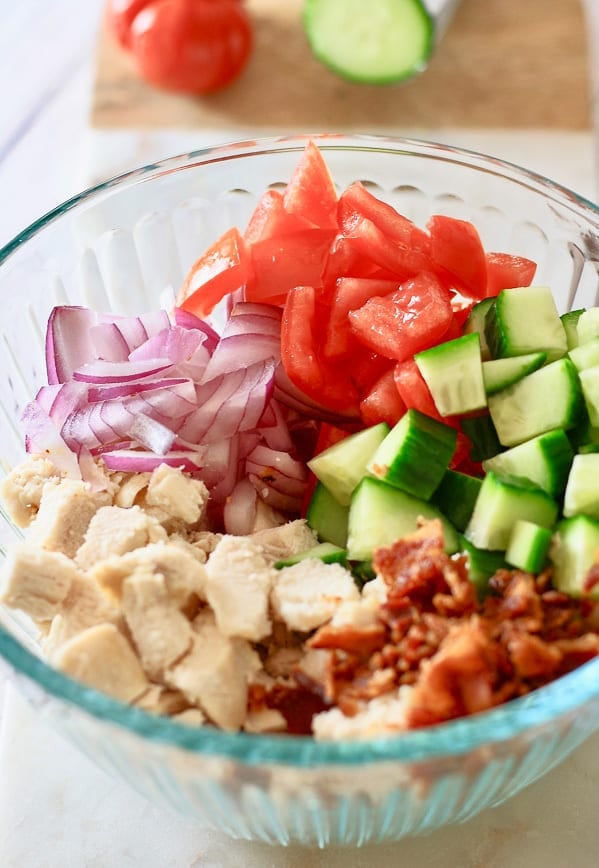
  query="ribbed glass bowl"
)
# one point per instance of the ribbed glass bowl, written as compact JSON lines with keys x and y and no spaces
{"x":124,"y":246}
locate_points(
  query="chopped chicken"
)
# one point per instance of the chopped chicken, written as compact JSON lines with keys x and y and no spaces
{"x":203,"y":543}
{"x":115,"y":531}
{"x":238,"y":583}
{"x":307,"y":594}
{"x":266,"y":517}
{"x":102,"y":658}
{"x":282,"y":661}
{"x":377,"y":588}
{"x":162,"y":700}
{"x":64,"y":515}
{"x":287,"y":539}
{"x":130,"y":489}
{"x":215,"y":673}
{"x":160,"y":632}
{"x":361,"y":613}
{"x":265,"y":720}
{"x":36,"y":581}
{"x":383,"y":715}
{"x":21,"y":491}
{"x":178,"y":495}
{"x":84,"y":606}
{"x":190,"y":717}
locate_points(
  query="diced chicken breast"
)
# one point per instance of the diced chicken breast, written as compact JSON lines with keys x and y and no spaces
{"x":190,"y":717}
{"x":377,"y":589}
{"x":381,"y":716}
{"x":265,"y":720}
{"x":64,"y":515}
{"x":180,"y":496}
{"x":361,"y":614}
{"x":162,"y":700}
{"x":115,"y":531}
{"x":102,"y":658}
{"x":238,"y":583}
{"x":130,"y":488}
{"x":306,"y":595}
{"x":215,"y":674}
{"x":203,"y":543}
{"x":287,"y":539}
{"x":266,"y":517}
{"x":161,"y":633}
{"x":84,"y":606}
{"x":21,"y":491}
{"x":36,"y":581}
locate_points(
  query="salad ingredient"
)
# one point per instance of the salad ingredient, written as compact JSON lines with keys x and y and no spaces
{"x":389,"y":42}
{"x":544,"y":460}
{"x":528,"y":546}
{"x":120,"y":15}
{"x":456,"y":496}
{"x":510,"y":332}
{"x":327,"y":516}
{"x":456,"y":247}
{"x":498,"y":374}
{"x":573,"y":555}
{"x":454,"y":374}
{"x":342,"y":466}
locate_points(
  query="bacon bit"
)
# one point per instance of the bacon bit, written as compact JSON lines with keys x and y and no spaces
{"x":591,"y":579}
{"x":298,"y":705}
{"x":362,"y":641}
{"x":532,"y":657}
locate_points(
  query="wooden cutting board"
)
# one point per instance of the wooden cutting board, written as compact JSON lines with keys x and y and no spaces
{"x":512,"y":64}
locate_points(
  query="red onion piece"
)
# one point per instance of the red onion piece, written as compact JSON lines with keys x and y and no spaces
{"x":252,"y":324}
{"x":276,"y":499}
{"x":239,"y":513}
{"x":133,"y":461}
{"x":43,"y":437}
{"x":68,"y":342}
{"x":99,"y":371}
{"x":188,"y":320}
{"x":251,"y":308}
{"x":136,"y":387}
{"x":273,"y":428}
{"x":280,"y":461}
{"x":249,"y":348}
{"x":109,"y":343}
{"x":155,"y":436}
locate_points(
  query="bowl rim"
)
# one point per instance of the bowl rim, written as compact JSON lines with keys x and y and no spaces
{"x":456,"y":737}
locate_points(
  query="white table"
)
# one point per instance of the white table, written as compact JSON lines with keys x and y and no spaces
{"x":56,"y":809}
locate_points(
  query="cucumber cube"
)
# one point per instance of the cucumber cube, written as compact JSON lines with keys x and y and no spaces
{"x":582,"y":490}
{"x":502,"y":501}
{"x":586,"y":355}
{"x":589,"y":380}
{"x":342,"y":466}
{"x":476,"y":323}
{"x":325,"y":552}
{"x":525,"y":320}
{"x":328,"y":517}
{"x":528,"y":546}
{"x":482,"y":564}
{"x":483,"y":436}
{"x":414,"y":455}
{"x":570,"y":323}
{"x":587,"y":326}
{"x":574,"y":550}
{"x":498,"y":374}
{"x":544,"y":461}
{"x":456,"y":496}
{"x":454,"y":374}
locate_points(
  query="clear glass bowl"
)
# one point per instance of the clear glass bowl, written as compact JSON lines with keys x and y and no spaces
{"x":125,"y":246}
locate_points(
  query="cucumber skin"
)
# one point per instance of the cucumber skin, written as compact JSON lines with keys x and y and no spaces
{"x":481,"y":431}
{"x":557,"y":453}
{"x":528,"y":547}
{"x":482,"y":565}
{"x":501,"y":344}
{"x":326,"y":552}
{"x":461,"y":361}
{"x":572,"y":552}
{"x":327,"y":517}
{"x":456,"y":496}
{"x":494,"y":383}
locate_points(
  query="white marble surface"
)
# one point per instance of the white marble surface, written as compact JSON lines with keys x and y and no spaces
{"x":56,"y":809}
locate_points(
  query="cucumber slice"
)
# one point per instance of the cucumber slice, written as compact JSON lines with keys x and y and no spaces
{"x":544,"y":400}
{"x":587,"y":326}
{"x":589,"y":380}
{"x":476,"y":323}
{"x":502,"y":501}
{"x":377,"y":43}
{"x":582,"y":490}
{"x":570,"y":324}
{"x":544,"y":461}
{"x":498,"y":374}
{"x":380,"y":515}
{"x":325,"y":552}
{"x":482,"y":564}
{"x":414,"y":455}
{"x":481,"y":432}
{"x":525,"y":320}
{"x":456,"y":496}
{"x":586,"y":355}
{"x":328,"y":517}
{"x":454,"y":374}
{"x":574,"y":550}
{"x":342,"y":466}
{"x":528,"y":546}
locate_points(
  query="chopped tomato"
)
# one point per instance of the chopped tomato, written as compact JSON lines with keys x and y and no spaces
{"x":400,"y":260}
{"x":286,"y":261}
{"x":311,"y":193}
{"x":458,"y":250}
{"x":328,"y":435}
{"x":383,"y":403}
{"x":365,"y":368}
{"x":357,"y":200}
{"x":505,"y":271}
{"x":120,"y":15}
{"x":270,"y":219}
{"x":413,"y":318}
{"x":322,"y":381}
{"x":413,"y":390}
{"x":346,"y":260}
{"x":461,"y":306}
{"x":350,"y":293}
{"x":223,"y":268}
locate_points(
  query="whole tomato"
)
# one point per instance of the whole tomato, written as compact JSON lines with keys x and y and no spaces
{"x":194,"y":46}
{"x":120,"y":15}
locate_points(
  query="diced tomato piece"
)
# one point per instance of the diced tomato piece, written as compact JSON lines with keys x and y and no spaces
{"x":400,"y":260}
{"x":281,"y":263}
{"x":505,"y":271}
{"x":457,"y":248}
{"x":461,"y":306}
{"x":350,"y":294}
{"x":346,"y":260}
{"x":365,"y":368}
{"x":223,"y":268}
{"x":413,"y":390}
{"x":357,"y":200}
{"x":413,"y":318}
{"x":328,"y":435}
{"x":383,"y":403}
{"x":322,"y":381}
{"x":311,"y":193}
{"x":454,"y":330}
{"x":270,"y":219}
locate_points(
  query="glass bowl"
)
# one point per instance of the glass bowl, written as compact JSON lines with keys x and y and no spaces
{"x":125,"y":246}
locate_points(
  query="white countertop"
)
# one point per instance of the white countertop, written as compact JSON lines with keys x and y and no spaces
{"x":56,"y":809}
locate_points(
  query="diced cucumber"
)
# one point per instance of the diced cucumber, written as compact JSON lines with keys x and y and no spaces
{"x":546,"y":399}
{"x":502,"y":501}
{"x":414,"y":455}
{"x":589,"y":380}
{"x":582,"y":490}
{"x":586,"y":355}
{"x":454,"y":374}
{"x":476,"y":323}
{"x":584,"y":434}
{"x":342,"y":466}
{"x":380,"y":515}
{"x":482,"y":564}
{"x":498,"y":374}
{"x":587,"y":326}
{"x":525,"y":320}
{"x":588,"y":448}
{"x":325,"y":552}
{"x":573,"y":551}
{"x":481,"y":432}
{"x":456,"y":496}
{"x":378,"y":43}
{"x":328,"y":517}
{"x":528,"y":546}
{"x":545,"y":461}
{"x":570,"y":324}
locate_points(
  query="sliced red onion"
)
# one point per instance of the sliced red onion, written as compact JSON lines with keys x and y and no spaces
{"x":153,"y":435}
{"x":277,"y":499}
{"x":282,"y":462}
{"x":289,"y":395}
{"x":90,"y":471}
{"x":174,"y":343}
{"x":250,"y":308}
{"x":135,"y":330}
{"x":68,"y":343}
{"x":223,"y":488}
{"x":259,"y":383}
{"x":239,"y":513}
{"x":134,"y":461}
{"x":232,"y":350}
{"x":136,"y":387}
{"x":188,"y":320}
{"x":216,"y":460}
{"x":44,"y":438}
{"x":252,"y":324}
{"x":273,"y":428}
{"x":109,"y":343}
{"x":99,"y":371}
